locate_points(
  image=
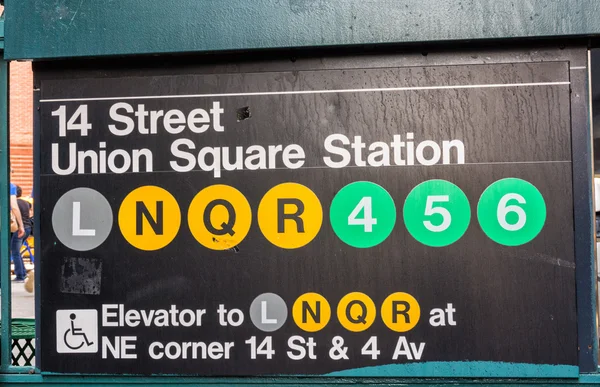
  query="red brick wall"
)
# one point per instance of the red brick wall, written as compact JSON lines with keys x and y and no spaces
{"x":20,"y":117}
{"x":21,"y":124}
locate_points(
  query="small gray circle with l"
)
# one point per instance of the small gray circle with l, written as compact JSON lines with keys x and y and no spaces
{"x":268,"y":312}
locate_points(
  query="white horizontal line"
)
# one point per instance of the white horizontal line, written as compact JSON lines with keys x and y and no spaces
{"x":325,"y":167}
{"x":408,"y":88}
{"x":579,"y":68}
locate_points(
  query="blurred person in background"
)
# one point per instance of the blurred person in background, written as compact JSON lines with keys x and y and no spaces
{"x":17,"y":238}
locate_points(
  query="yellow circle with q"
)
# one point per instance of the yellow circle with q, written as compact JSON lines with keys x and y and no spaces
{"x":149,"y":218}
{"x":290,"y":215}
{"x":311,"y":312}
{"x":356,"y":312}
{"x":400,"y":312}
{"x":219,"y":217}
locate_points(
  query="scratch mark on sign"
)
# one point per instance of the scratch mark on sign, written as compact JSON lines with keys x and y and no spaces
{"x":228,"y":244}
{"x":158,"y":288}
{"x":529,"y":256}
{"x":75,"y":13}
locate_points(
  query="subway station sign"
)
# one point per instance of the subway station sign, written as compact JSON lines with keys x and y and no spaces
{"x":312,"y":222}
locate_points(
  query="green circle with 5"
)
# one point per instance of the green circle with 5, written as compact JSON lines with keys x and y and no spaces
{"x":511,"y":212}
{"x":436,"y":213}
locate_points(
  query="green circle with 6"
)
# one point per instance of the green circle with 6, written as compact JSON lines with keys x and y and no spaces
{"x":511,"y":212}
{"x":437,"y":213}
{"x":362,"y":214}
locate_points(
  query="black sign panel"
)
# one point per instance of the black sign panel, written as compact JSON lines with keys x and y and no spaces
{"x":329,"y":222}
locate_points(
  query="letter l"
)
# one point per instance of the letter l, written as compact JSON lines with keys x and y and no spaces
{"x":77,"y":230}
{"x":263,"y":314}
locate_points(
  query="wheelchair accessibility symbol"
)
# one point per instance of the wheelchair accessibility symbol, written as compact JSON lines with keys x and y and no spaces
{"x":77,"y":331}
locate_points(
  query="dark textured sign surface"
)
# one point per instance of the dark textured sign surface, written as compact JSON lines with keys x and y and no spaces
{"x":306,"y":222}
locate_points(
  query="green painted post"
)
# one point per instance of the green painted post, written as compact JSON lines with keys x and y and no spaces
{"x":5,"y":337}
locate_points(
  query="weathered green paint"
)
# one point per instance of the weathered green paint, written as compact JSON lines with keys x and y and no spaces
{"x":5,"y":280}
{"x":464,"y":369}
{"x":77,"y":28}
{"x":40,"y":380}
{"x":5,"y":312}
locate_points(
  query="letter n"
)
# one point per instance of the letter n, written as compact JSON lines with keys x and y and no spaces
{"x":314,"y":313}
{"x":141,"y":212}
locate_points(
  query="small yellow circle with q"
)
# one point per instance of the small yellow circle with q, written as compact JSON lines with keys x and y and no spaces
{"x":356,"y":312}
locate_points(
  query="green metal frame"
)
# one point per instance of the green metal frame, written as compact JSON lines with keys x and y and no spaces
{"x":5,"y":334}
{"x":50,"y":29}
{"x":4,"y":232}
{"x":501,"y":372}
{"x":96,"y":381}
{"x":44,"y":29}
{"x":5,"y":280}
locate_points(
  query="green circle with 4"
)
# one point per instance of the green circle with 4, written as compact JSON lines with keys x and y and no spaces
{"x":362,"y":214}
{"x":436,"y":213}
{"x":511,"y":212}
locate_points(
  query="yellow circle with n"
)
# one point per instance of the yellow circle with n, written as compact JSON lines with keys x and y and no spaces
{"x":311,"y":312}
{"x":149,"y":218}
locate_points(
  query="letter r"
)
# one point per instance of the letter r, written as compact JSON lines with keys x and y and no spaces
{"x":282,"y":216}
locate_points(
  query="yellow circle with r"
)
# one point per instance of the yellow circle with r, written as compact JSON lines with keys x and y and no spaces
{"x":219,"y":217}
{"x":311,"y":312}
{"x":356,"y":312}
{"x":290,"y":215}
{"x":400,"y":312}
{"x":149,"y":218}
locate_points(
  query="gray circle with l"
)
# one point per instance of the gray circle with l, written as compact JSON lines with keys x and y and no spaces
{"x":268,"y":312}
{"x":82,"y":219}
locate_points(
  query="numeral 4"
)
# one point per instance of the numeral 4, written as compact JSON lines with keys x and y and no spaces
{"x":367,"y":221}
{"x":370,"y":348}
